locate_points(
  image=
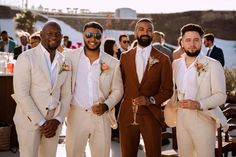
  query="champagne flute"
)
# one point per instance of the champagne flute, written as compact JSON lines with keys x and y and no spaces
{"x":181,"y":95}
{"x":135,"y":110}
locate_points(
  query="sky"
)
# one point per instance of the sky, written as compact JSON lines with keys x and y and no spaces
{"x":141,"y":6}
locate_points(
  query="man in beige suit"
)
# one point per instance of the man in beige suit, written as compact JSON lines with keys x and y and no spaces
{"x":42,"y":91}
{"x":200,"y":83}
{"x":97,"y":87}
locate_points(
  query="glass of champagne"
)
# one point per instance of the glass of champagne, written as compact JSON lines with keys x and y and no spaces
{"x":135,"y":110}
{"x":181,"y":95}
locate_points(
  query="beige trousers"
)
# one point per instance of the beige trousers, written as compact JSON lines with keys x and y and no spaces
{"x":83,"y":126}
{"x":196,"y":134}
{"x":32,"y":144}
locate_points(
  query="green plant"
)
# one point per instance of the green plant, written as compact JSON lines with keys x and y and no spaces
{"x":25,"y":21}
{"x":230,"y":76}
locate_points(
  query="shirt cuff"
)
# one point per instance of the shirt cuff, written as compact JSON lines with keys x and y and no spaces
{"x":59,"y":119}
{"x":41,"y":122}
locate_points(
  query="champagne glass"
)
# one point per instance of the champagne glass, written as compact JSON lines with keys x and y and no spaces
{"x":135,"y":110}
{"x":181,"y":95}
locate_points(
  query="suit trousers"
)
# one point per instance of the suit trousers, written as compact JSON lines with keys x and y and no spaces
{"x":33,"y":144}
{"x":150,"y":130}
{"x":83,"y":126}
{"x":196,"y":134}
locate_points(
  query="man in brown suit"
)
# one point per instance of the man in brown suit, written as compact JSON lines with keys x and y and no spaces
{"x":148,"y":87}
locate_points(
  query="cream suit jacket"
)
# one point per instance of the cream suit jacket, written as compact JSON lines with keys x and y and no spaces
{"x":211,"y":92}
{"x":110,"y":81}
{"x":33,"y":88}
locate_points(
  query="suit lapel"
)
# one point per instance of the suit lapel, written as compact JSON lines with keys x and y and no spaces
{"x":132,"y":53}
{"x":200,"y":77}
{"x":147,"y":69}
{"x":75,"y":61}
{"x":43,"y":64}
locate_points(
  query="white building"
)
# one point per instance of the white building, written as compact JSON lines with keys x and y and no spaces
{"x":125,"y":13}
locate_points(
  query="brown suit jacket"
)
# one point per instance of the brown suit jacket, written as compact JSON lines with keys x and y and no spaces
{"x":156,"y":82}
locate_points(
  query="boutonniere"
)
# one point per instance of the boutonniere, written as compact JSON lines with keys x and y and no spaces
{"x":200,"y":67}
{"x":64,"y":67}
{"x":104,"y":67}
{"x":151,"y":61}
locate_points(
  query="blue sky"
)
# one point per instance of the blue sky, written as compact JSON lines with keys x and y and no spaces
{"x":141,"y":6}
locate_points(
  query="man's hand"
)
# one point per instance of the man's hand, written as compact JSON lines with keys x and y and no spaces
{"x":141,"y":101}
{"x":49,"y":128}
{"x":189,"y":104}
{"x":100,"y":109}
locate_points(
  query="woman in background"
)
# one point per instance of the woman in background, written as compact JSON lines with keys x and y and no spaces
{"x":111,"y":48}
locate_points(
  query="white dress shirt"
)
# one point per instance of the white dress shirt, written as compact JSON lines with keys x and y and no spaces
{"x":141,"y":60}
{"x":186,"y":81}
{"x":86,"y":85}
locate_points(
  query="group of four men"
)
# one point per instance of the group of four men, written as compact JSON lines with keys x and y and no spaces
{"x":85,"y":84}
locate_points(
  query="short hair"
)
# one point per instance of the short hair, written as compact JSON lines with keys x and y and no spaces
{"x":3,"y":32}
{"x":123,"y":35}
{"x":191,"y":27}
{"x":108,"y":46}
{"x":144,"y":20}
{"x":209,"y":36}
{"x":93,"y":24}
{"x":66,"y":37}
{"x":36,"y":36}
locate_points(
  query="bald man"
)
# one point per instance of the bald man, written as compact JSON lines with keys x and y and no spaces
{"x":42,"y":91}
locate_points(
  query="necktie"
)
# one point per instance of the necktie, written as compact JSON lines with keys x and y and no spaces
{"x":24,"y":48}
{"x":140,"y":65}
{"x":208,"y":52}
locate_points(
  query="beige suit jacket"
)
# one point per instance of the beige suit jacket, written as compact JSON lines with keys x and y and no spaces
{"x":110,"y":81}
{"x":211,"y":92}
{"x":33,"y":89}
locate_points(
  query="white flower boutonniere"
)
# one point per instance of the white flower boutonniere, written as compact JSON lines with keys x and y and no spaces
{"x":104,"y":67}
{"x":200,"y":67}
{"x":151,"y":61}
{"x":64,"y":67}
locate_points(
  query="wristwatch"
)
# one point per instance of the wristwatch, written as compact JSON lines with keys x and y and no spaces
{"x":152,"y":100}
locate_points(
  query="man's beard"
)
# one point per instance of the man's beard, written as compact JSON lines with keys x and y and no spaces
{"x":192,"y":54}
{"x":144,"y":40}
{"x":92,"y":49}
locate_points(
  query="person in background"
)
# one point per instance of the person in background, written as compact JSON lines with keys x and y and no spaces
{"x":177,"y":53}
{"x":213,"y":51}
{"x":24,"y":39}
{"x":163,"y":42}
{"x":35,"y":39}
{"x":97,"y":87}
{"x":110,"y":47}
{"x":147,"y":79}
{"x":156,"y":42}
{"x":42,"y":91}
{"x":124,"y":42}
{"x":66,"y":42}
{"x":200,"y":83}
{"x":6,"y":44}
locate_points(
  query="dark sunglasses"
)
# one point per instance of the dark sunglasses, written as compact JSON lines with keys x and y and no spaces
{"x":125,"y":41}
{"x":96,"y":35}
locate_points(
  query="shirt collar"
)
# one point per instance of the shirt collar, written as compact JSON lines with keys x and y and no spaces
{"x":58,"y":55}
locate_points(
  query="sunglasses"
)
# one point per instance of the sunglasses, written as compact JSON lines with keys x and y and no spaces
{"x":96,"y":35}
{"x":125,"y":41}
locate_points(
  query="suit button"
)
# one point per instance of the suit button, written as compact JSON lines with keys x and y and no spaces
{"x":47,"y":108}
{"x":86,"y":110}
{"x":50,"y":93}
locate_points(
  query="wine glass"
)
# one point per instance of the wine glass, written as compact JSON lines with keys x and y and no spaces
{"x":181,"y":95}
{"x":135,"y":110}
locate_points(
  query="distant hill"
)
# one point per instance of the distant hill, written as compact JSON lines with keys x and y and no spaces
{"x":221,"y":23}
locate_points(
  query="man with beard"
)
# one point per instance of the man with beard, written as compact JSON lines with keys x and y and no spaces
{"x":147,"y":78}
{"x":200,"y":83}
{"x":97,"y":87}
{"x":42,"y":91}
